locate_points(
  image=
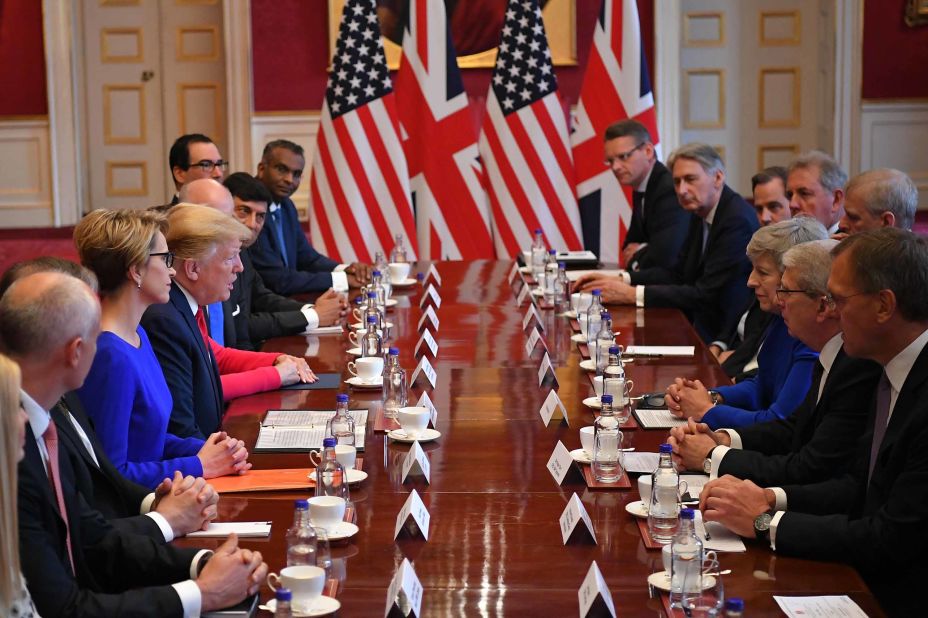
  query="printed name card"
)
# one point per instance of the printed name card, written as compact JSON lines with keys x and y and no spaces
{"x":560,"y":463}
{"x":533,"y":311}
{"x":576,"y":522}
{"x":532,"y":341}
{"x":433,"y":275}
{"x":430,"y":294}
{"x":553,"y":408}
{"x":429,"y":316}
{"x":428,"y":340}
{"x":405,"y":591}
{"x":424,"y":368}
{"x":513,"y":272}
{"x":413,"y":508}
{"x":594,"y":596}
{"x":523,"y":293}
{"x":546,"y":368}
{"x":417,"y":463}
{"x":426,"y":402}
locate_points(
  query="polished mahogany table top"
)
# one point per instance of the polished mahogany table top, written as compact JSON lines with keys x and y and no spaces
{"x":495,"y":545}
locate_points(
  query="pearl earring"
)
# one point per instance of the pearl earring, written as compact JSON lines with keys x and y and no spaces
{"x":139,"y":282}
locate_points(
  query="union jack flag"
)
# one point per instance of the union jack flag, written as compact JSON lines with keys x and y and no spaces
{"x":523,"y":142}
{"x":615,"y":87}
{"x":440,"y":141}
{"x":359,"y":188}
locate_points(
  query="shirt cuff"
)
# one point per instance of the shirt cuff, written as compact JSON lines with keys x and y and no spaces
{"x":163,"y":524}
{"x":625,"y":277}
{"x":735,"y":439}
{"x":312,"y":318}
{"x":341,"y":268}
{"x":780,"y":501}
{"x":190,"y":598}
{"x":639,"y":296}
{"x":773,"y":528}
{"x":717,"y":454}
{"x":339,"y":281}
{"x":147,"y":501}
{"x":720,"y":345}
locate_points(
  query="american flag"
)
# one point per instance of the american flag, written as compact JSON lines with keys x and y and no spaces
{"x":615,"y":86}
{"x":359,"y":187}
{"x":523,"y":142}
{"x":440,"y":141}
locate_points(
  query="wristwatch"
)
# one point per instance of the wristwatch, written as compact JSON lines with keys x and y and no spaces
{"x":762,"y":526}
{"x":707,"y":462}
{"x":715,"y":397}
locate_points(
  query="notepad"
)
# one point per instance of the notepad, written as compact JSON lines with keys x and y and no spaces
{"x":641,"y":463}
{"x":279,"y":479}
{"x":573,"y":275}
{"x":661,"y":350}
{"x":325,"y":381}
{"x":843,"y":606}
{"x":324,"y":330}
{"x":245,"y":529}
{"x":658,"y":419}
{"x":720,"y":539}
{"x":301,"y":431}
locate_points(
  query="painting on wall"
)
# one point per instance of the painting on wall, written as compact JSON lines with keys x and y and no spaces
{"x":475,"y":29}
{"x":916,"y":13}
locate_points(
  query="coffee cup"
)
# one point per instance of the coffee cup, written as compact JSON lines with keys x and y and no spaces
{"x":575,"y":302}
{"x":346,"y":454}
{"x":598,"y":385}
{"x":304,"y":582}
{"x":644,"y":488}
{"x":586,"y":439}
{"x":326,"y":512}
{"x":584,"y":324}
{"x":367,"y":368}
{"x":399,"y":271}
{"x":413,"y":420}
{"x":621,"y":391}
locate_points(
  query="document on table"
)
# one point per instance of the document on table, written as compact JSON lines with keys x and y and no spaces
{"x":573,"y":275}
{"x":300,"y":431}
{"x":658,"y":419}
{"x":661,"y":350}
{"x":641,"y":463}
{"x":820,"y":607}
{"x":721,"y":538}
{"x":245,"y":529}
{"x":324,"y":330}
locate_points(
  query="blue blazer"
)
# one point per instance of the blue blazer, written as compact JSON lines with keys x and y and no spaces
{"x":189,"y":367}
{"x":306,"y":270}
{"x":783,"y":378}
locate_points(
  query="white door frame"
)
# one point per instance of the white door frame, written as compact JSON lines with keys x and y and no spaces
{"x":67,"y":129}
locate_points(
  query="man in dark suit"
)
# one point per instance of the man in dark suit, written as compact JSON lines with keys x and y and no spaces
{"x":283,"y":256}
{"x":708,"y":281}
{"x":658,"y":226}
{"x":818,"y":440}
{"x":75,"y":561}
{"x":873,"y":518}
{"x":193,"y":156}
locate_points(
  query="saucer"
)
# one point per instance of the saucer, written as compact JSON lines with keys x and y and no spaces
{"x":637,"y":508}
{"x":427,"y":435}
{"x":391,"y":302}
{"x":354,"y":351}
{"x":362,"y":326}
{"x":357,"y":382}
{"x":321,"y":607}
{"x":538,"y":292}
{"x":578,"y":338}
{"x":525,"y":270}
{"x":661,"y":581}
{"x":344,"y":530}
{"x":570,"y":313}
{"x":405,"y":283}
{"x":580,"y":456}
{"x":355,"y":476}
{"x":593,"y":402}
{"x":588,"y":365}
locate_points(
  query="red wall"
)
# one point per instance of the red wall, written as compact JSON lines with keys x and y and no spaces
{"x":895,"y":56}
{"x":290,"y":54}
{"x":22,"y":59}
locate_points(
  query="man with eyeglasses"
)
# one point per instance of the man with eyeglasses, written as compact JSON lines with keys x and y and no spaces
{"x":874,"y":517}
{"x":194,"y":156}
{"x":658,"y":226}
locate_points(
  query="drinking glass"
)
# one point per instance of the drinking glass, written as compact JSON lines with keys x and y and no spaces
{"x":710,"y":598}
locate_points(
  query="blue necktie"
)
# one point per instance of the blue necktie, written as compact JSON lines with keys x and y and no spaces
{"x":279,"y":230}
{"x":215,"y":323}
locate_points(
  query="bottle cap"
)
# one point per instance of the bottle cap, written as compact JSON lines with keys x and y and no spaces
{"x":358,"y":300}
{"x":666,"y":448}
{"x":283,"y":594}
{"x":372,"y":319}
{"x":687,"y":513}
{"x":538,"y":230}
{"x":329,"y":442}
{"x":606,"y":399}
{"x":395,"y":351}
{"x":735,"y":604}
{"x":341,"y":398}
{"x":605,"y":315}
{"x":375,"y":273}
{"x":614,"y":349}
{"x":372,"y":294}
{"x":301,"y":504}
{"x":552,"y":251}
{"x":562,"y":264}
{"x":420,"y":276}
{"x":597,"y":292}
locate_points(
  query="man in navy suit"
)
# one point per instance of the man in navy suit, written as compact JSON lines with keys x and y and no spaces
{"x":875,"y":516}
{"x":282,"y":255}
{"x":194,"y":156}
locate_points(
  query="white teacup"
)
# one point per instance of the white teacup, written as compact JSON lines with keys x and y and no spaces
{"x":644,"y":488}
{"x":580,"y":301}
{"x":346,"y":454}
{"x":367,"y":368}
{"x":304,"y":582}
{"x":326,"y":512}
{"x":413,"y":420}
{"x":399,"y":271}
{"x":586,"y":439}
{"x":356,"y":336}
{"x":584,"y":324}
{"x":598,"y":385}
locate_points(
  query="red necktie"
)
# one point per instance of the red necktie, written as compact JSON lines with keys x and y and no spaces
{"x":51,"y":445}
{"x":201,"y":324}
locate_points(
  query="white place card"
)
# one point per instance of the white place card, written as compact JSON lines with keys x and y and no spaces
{"x":553,"y":408}
{"x":532,"y":341}
{"x":405,"y":591}
{"x":533,"y":311}
{"x":513,"y":272}
{"x":574,"y":520}
{"x":595,"y":591}
{"x":424,"y":368}
{"x":428,"y":340}
{"x":416,"y":462}
{"x":660,"y":350}
{"x":430,"y":294}
{"x":426,"y":402}
{"x":430,"y":316}
{"x":560,"y":462}
{"x":415,"y":508}
{"x":433,"y":274}
{"x":523,"y":293}
{"x":545,"y":368}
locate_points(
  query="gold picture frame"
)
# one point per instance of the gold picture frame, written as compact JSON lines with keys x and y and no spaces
{"x":916,"y":13}
{"x":560,"y":18}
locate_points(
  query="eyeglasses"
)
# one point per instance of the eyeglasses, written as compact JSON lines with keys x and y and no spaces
{"x":835,"y":301}
{"x":783,"y":293}
{"x":208,"y":166}
{"x":624,"y":156}
{"x":167,"y":256}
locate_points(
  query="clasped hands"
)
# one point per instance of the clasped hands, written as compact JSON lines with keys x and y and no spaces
{"x":687,"y":398}
{"x":614,"y":290}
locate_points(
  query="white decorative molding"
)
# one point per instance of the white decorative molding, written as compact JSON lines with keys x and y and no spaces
{"x":667,"y":96}
{"x":298,"y":128}
{"x":848,"y":62}
{"x":894,"y":134}
{"x":25,"y":177}
{"x":236,"y":20}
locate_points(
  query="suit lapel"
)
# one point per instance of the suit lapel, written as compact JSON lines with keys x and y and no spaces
{"x":182,"y":306}
{"x":906,"y":404}
{"x":715,"y":228}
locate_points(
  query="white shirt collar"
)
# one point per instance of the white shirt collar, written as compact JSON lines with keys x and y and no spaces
{"x":711,"y":216}
{"x":39,"y":417}
{"x":897,"y":370}
{"x":644,"y":183}
{"x":191,"y":301}
{"x":834,"y":228}
{"x":830,"y":352}
{"x":273,"y":207}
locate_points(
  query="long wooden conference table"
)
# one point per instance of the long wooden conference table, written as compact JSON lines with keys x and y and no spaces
{"x":494,"y":545}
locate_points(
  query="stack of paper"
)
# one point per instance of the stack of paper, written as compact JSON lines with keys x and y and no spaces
{"x":324,"y":330}
{"x":246,"y":529}
{"x":300,"y":431}
{"x":658,"y":419}
{"x":573,"y":275}
{"x":660,"y":350}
